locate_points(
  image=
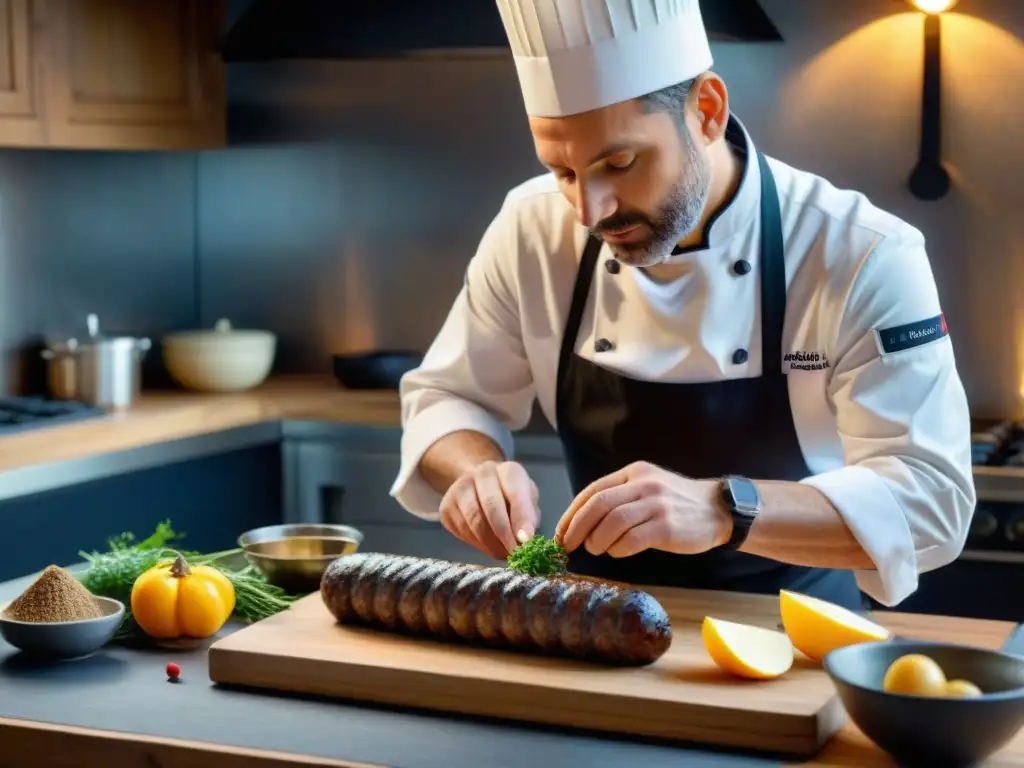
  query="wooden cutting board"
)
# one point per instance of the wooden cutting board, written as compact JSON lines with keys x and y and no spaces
{"x":682,"y":696}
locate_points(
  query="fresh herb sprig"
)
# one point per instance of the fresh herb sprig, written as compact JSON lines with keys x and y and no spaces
{"x":113,"y":573}
{"x":539,"y":556}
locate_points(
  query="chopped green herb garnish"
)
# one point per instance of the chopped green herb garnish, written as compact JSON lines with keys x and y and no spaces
{"x":539,"y":556}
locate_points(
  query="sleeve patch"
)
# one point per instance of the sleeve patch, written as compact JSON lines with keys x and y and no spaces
{"x":901,"y":337}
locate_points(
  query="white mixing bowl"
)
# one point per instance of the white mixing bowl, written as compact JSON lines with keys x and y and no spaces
{"x":219,"y":360}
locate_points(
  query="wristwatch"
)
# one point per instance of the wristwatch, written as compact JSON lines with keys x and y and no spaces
{"x":743,"y":502}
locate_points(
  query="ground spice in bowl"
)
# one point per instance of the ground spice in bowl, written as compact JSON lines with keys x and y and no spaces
{"x":55,"y":596}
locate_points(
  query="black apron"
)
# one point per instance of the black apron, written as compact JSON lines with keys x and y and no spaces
{"x":702,"y":430}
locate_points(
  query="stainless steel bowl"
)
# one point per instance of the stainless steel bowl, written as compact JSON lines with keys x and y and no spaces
{"x":295,"y":556}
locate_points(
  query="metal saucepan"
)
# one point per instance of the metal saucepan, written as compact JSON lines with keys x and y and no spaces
{"x":105,"y":371}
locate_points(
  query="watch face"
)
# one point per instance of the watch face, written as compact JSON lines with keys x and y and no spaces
{"x":745,"y":496}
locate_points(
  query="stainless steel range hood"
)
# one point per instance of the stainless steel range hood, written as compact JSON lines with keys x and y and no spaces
{"x":269,"y":30}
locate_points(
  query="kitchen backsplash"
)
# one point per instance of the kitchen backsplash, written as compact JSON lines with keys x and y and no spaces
{"x":87,"y":232}
{"x":354,"y":194}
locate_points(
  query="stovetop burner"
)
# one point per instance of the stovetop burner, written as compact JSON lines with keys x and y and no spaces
{"x":18,"y":414}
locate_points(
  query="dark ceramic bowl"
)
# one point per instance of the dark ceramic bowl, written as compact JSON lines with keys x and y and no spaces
{"x":64,"y":640}
{"x":919,"y":731}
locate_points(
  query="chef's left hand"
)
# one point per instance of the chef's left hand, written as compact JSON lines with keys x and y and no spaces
{"x":645,"y":507}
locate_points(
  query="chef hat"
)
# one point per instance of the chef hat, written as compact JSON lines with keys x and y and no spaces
{"x":577,"y":55}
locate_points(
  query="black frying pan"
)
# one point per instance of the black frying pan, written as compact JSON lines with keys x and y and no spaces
{"x":374,"y":370}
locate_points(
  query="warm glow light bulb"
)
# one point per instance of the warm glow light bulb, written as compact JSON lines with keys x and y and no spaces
{"x":934,"y":6}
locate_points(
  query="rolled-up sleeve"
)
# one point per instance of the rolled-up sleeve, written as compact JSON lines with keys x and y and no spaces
{"x":475,"y":375}
{"x":907,"y":489}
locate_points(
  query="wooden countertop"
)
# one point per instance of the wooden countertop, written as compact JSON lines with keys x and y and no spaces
{"x":170,"y":415}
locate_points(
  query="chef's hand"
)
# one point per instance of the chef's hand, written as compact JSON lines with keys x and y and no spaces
{"x":645,"y":507}
{"x":492,"y":507}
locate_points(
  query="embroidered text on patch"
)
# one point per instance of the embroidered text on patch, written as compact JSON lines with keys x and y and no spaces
{"x":806,"y":361}
{"x":910,"y":335}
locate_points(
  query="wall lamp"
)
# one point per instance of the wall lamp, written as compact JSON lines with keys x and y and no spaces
{"x":930,"y":180}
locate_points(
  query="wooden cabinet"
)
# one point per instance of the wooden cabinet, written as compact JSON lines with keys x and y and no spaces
{"x":112,"y":74}
{"x":21,"y":107}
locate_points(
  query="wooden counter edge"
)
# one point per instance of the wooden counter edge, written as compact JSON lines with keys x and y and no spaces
{"x":34,"y":744}
{"x":166,"y":416}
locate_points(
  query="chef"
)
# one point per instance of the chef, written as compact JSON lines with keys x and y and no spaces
{"x":748,"y":368}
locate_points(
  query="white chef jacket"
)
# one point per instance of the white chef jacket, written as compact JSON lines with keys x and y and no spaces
{"x":885,"y":434}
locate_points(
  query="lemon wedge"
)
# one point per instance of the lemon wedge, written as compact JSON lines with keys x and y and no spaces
{"x":747,"y":651}
{"x":817,"y":627}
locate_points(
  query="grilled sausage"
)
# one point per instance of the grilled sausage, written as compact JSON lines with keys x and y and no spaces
{"x":497,"y":607}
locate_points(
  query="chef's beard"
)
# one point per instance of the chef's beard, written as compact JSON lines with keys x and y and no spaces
{"x":676,"y":218}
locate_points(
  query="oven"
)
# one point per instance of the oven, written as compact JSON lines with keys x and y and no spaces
{"x":987,"y":580}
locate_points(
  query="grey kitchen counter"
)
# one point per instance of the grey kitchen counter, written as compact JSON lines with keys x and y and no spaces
{"x":125,"y":690}
{"x":118,"y":708}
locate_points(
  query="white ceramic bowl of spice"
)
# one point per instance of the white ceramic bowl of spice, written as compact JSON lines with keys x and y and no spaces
{"x":58,"y":618}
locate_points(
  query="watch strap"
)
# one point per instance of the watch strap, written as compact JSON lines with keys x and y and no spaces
{"x":743,"y":515}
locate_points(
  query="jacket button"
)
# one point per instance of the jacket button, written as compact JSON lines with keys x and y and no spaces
{"x":741,"y":267}
{"x":612,"y":266}
{"x":602,"y":345}
{"x":739,"y":356}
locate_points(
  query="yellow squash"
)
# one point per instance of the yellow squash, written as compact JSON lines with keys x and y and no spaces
{"x":174,"y":599}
